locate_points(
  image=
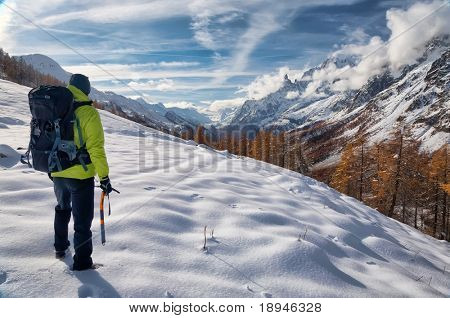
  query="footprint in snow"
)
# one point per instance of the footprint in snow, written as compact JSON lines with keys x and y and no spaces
{"x":266,"y":295}
{"x":234,"y":206}
{"x":371,"y":263}
{"x":249,"y":289}
{"x":150,"y":188}
{"x":3,"y":277}
{"x":333,"y":238}
{"x":87,"y":291}
{"x":168,"y":294}
{"x":196,"y":196}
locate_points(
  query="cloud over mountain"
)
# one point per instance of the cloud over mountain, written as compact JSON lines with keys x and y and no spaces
{"x":410,"y":31}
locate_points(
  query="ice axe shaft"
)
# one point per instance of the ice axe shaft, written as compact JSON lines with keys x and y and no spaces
{"x":102,"y":218}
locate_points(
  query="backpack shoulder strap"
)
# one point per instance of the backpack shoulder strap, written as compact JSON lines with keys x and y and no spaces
{"x":77,"y":104}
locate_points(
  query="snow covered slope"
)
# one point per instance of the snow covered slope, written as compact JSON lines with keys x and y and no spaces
{"x":171,"y":189}
{"x":46,"y":65}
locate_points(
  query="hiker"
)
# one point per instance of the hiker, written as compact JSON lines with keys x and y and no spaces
{"x":74,"y":186}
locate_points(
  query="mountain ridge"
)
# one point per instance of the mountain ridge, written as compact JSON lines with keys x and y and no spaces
{"x":153,"y":113}
{"x":374,"y":108}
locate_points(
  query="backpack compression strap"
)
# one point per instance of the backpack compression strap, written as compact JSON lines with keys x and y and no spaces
{"x":25,"y":158}
{"x":82,"y":154}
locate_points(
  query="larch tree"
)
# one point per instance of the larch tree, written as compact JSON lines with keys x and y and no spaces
{"x":439,"y":178}
{"x":199,"y":136}
{"x":344,"y":172}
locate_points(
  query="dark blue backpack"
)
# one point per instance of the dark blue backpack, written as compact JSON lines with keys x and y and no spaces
{"x":52,"y":145}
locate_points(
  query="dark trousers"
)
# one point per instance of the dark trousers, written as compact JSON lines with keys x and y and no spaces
{"x":75,"y":197}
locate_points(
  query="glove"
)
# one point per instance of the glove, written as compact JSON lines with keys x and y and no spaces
{"x":105,"y":185}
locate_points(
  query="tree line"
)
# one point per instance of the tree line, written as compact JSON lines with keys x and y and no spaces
{"x":398,"y":179}
{"x":394,"y":176}
{"x":16,"y":70}
{"x":275,"y":147}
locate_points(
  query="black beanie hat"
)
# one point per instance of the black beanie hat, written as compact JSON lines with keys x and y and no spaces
{"x":81,"y":82}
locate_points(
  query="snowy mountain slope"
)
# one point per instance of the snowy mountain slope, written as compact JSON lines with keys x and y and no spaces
{"x":190,"y":114}
{"x":418,"y":98}
{"x":171,"y":189}
{"x":155,"y":114}
{"x":46,"y":65}
{"x":272,"y":110}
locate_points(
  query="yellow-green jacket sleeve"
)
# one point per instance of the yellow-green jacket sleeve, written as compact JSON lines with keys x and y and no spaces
{"x":95,"y":142}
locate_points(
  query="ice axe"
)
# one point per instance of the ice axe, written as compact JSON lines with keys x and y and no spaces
{"x":102,"y":214}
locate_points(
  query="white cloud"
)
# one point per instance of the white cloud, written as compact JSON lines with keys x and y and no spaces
{"x":264,"y":85}
{"x":180,"y":104}
{"x":209,"y":19}
{"x":212,"y":21}
{"x":175,"y":64}
{"x":262,"y":16}
{"x":141,"y":66}
{"x":438,"y":23}
{"x":117,"y":11}
{"x":357,"y":35}
{"x":269,"y":83}
{"x":201,"y":33}
{"x":142,"y":85}
{"x":158,"y":85}
{"x":374,"y":57}
{"x":410,"y":33}
{"x":292,"y":95}
{"x":226,"y":103}
{"x":137,"y":72}
{"x":261,"y":24}
{"x":6,"y":19}
{"x":351,"y":77}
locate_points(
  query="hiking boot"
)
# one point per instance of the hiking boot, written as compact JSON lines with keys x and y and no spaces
{"x":78,"y":267}
{"x":61,"y":254}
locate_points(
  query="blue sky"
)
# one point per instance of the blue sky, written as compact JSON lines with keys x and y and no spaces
{"x":190,"y":52}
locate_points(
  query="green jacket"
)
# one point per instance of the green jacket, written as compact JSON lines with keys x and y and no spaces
{"x":92,"y":135}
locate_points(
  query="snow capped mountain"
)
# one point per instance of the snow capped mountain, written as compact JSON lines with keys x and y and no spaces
{"x":417,"y":97}
{"x":46,"y":65}
{"x":264,"y":111}
{"x":153,"y":115}
{"x":276,"y":233}
{"x":132,"y":107}
{"x":222,"y":116}
{"x":190,"y":114}
{"x":290,"y":97}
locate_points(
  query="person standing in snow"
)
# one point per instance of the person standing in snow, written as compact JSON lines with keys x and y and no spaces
{"x":74,"y":187}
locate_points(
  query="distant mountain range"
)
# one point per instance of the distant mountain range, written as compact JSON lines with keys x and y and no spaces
{"x":418,"y":98}
{"x":153,"y":115}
